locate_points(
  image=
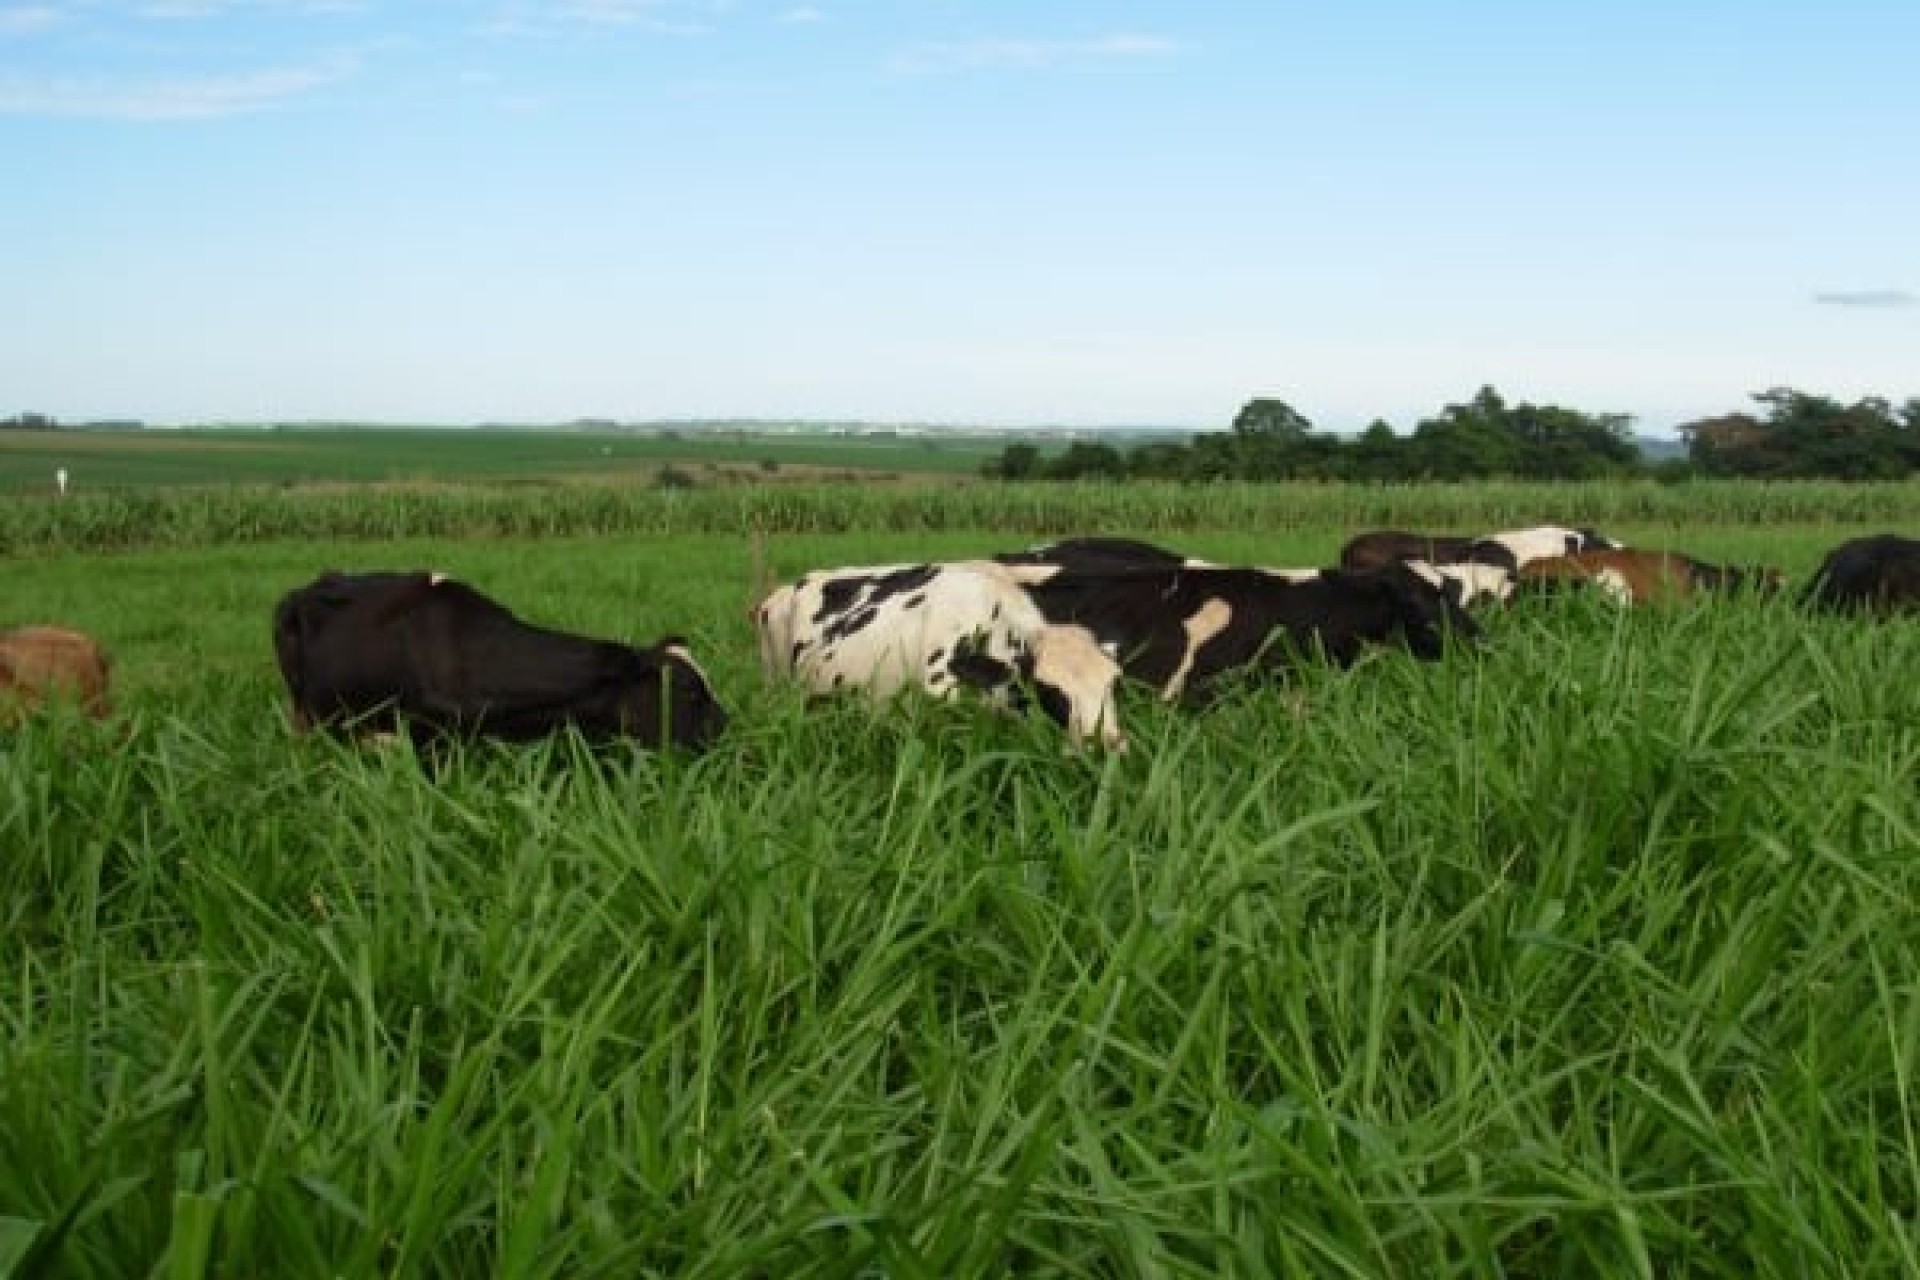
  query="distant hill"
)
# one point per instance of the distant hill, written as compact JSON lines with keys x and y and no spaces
{"x":1661,"y":448}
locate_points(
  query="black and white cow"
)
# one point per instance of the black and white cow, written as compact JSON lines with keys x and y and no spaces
{"x":1386,"y":546}
{"x":1071,"y":633}
{"x":1181,"y":630}
{"x":940,"y":628}
{"x":1464,"y":583}
{"x":1508,"y":550}
{"x":1878,"y":574}
{"x":387,"y":651}
{"x":1517,"y":547}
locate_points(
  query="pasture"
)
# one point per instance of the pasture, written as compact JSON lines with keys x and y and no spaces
{"x":127,"y":460}
{"x":1592,"y":954}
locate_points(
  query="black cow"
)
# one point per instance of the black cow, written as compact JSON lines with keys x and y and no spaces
{"x":1180,"y":630}
{"x":1880,"y":574}
{"x":1386,"y":546}
{"x":385,"y":651}
{"x":1098,"y":552}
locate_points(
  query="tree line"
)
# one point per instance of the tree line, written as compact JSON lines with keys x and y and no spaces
{"x":1793,"y":435}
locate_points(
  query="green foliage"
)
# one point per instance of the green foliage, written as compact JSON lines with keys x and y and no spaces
{"x":1592,"y":954}
{"x":1018,"y":461}
{"x":1805,"y":435}
{"x":1486,"y":438}
{"x":94,"y":521}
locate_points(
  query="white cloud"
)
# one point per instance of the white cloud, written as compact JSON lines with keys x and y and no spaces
{"x":1867,"y":298}
{"x":207,"y":98}
{"x":1026,"y":55}
{"x":806,"y":13}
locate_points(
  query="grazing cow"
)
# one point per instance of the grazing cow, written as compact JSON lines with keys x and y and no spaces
{"x":43,"y":664}
{"x":1182,"y":630}
{"x":940,"y":628}
{"x":1098,"y":552}
{"x":1508,"y":550}
{"x":1071,"y":633}
{"x":1517,"y":547}
{"x":1467,"y":582}
{"x":1463,"y":583}
{"x":1388,"y":546}
{"x":382,"y":651}
{"x":1636,"y":577}
{"x":1878,"y":574}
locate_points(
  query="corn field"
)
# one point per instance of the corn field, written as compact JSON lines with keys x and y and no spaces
{"x":224,"y":517}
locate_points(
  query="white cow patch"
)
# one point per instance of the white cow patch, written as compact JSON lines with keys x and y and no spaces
{"x":1615,"y":584}
{"x":1542,"y":543}
{"x":887,"y":628}
{"x":1475,"y":581}
{"x":1206,"y":622}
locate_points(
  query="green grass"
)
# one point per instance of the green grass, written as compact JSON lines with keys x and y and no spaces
{"x":118,"y":461}
{"x":1594,"y":954}
{"x":158,"y":518}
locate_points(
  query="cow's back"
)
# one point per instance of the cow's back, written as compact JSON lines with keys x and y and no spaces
{"x":1385,"y":546}
{"x":41,"y":664}
{"x":890,"y":627}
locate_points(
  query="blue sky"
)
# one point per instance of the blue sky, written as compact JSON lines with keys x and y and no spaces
{"x":952,"y":211}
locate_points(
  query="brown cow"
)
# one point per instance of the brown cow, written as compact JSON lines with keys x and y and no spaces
{"x":1636,"y":577}
{"x":41,"y":664}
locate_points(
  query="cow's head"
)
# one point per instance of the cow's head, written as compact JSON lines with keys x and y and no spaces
{"x":1423,"y":615}
{"x":664,"y":698}
{"x":1062,"y":669}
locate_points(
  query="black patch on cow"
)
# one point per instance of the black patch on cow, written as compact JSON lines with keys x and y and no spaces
{"x":934,"y":657}
{"x":1384,"y":546}
{"x":1490,"y":552}
{"x":1053,"y":702}
{"x":838,"y":598}
{"x":849,"y":623}
{"x":1096,"y":552}
{"x":976,"y":670}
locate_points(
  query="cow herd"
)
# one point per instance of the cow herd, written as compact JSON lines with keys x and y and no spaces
{"x":1058,"y":627}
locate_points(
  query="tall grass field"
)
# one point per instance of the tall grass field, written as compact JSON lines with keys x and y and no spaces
{"x":1593,"y":953}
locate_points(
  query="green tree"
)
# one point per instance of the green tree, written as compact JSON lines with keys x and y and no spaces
{"x":1467,"y":441}
{"x":1088,"y":460}
{"x":1018,"y":461}
{"x":1274,"y":441}
{"x":1804,"y":435}
{"x":1378,"y":454}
